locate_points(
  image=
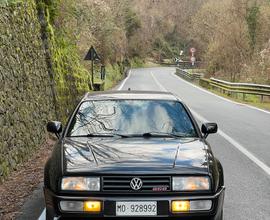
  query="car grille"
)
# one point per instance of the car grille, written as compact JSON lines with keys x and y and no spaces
{"x":150,"y":183}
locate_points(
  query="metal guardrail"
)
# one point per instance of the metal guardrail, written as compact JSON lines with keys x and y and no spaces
{"x":183,"y":64}
{"x":188,"y":76}
{"x":227,"y":87}
{"x":235,"y":88}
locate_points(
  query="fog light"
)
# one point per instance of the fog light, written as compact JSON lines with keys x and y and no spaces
{"x":180,"y":206}
{"x":73,"y":206}
{"x":92,"y":206}
{"x":200,"y":205}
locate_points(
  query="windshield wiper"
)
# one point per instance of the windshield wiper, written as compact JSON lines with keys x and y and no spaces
{"x":101,"y":135}
{"x":164,"y":134}
{"x":146,"y":135}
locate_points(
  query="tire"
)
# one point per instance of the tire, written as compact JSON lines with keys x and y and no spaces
{"x":221,"y":216}
{"x":217,"y":217}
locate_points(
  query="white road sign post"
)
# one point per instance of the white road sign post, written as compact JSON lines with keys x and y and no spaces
{"x":193,"y":60}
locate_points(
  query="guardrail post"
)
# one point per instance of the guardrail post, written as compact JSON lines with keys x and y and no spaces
{"x":261,"y":98}
{"x":244,"y":96}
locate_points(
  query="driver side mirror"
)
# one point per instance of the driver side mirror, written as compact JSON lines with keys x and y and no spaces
{"x":55,"y":127}
{"x":209,"y":128}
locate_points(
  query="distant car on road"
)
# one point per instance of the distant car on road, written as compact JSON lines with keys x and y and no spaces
{"x":133,"y":154}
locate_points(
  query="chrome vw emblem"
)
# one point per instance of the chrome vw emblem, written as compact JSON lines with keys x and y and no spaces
{"x":136,"y":183}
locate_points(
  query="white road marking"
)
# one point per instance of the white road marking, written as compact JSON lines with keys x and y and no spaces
{"x":233,"y":142}
{"x":220,"y":97}
{"x":158,"y":83}
{"x":124,"y":82}
{"x":42,"y":216}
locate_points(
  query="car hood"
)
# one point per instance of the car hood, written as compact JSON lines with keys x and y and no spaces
{"x":135,"y":155}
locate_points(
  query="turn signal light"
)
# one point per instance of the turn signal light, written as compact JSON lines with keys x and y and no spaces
{"x":92,"y":206}
{"x":180,"y":206}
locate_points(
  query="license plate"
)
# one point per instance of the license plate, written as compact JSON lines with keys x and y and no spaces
{"x":136,"y":208}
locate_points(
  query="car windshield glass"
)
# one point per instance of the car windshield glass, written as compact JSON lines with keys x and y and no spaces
{"x":131,"y":117}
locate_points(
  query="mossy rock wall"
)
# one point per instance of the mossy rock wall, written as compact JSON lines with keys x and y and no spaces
{"x":26,"y":101}
{"x":41,"y":78}
{"x":72,"y":80}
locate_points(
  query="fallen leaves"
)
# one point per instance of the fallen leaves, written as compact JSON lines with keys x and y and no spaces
{"x":22,"y":182}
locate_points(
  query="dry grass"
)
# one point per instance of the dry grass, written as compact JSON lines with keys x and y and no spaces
{"x":249,"y":99}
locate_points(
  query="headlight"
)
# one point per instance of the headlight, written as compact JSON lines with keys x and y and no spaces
{"x":191,"y":183}
{"x":81,"y":183}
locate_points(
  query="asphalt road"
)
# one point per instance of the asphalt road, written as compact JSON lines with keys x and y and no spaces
{"x":242,"y":145}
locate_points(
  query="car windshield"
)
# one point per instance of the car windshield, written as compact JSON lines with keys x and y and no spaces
{"x":131,"y":117}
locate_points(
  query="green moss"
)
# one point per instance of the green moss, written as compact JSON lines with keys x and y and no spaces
{"x":9,"y":2}
{"x":23,"y":69}
{"x":71,"y":78}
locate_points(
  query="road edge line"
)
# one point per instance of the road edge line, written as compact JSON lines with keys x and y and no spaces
{"x":124,"y":82}
{"x":229,"y":139}
{"x":237,"y":145}
{"x":42,"y":216}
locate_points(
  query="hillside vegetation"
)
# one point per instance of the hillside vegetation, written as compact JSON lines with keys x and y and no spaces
{"x":231,"y":36}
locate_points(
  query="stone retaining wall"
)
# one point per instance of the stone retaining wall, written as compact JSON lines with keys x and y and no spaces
{"x":26,"y":101}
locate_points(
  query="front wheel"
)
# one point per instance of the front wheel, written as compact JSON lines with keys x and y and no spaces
{"x":50,"y":215}
{"x":221,"y":216}
{"x":218,"y":217}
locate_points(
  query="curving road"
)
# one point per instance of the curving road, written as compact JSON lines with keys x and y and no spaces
{"x":242,"y":144}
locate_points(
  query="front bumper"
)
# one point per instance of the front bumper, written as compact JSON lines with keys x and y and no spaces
{"x":109,"y":205}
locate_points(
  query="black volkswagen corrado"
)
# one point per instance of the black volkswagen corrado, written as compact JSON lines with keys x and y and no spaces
{"x":133,"y":154}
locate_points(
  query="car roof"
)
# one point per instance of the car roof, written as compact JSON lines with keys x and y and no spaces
{"x":135,"y":95}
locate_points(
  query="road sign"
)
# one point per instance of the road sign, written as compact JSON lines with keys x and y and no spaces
{"x":92,"y":54}
{"x":192,"y":50}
